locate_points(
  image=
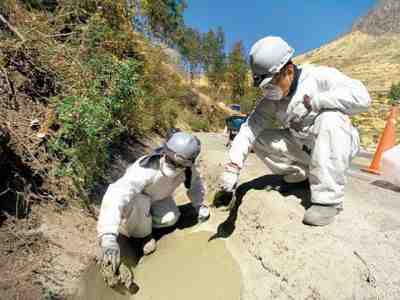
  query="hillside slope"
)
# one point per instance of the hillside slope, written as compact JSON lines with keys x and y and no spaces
{"x":82,"y":96}
{"x":374,"y":60}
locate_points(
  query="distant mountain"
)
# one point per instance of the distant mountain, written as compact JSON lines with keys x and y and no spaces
{"x":384,"y":18}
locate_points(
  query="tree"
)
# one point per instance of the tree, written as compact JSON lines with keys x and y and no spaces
{"x":214,"y":63}
{"x":190,"y":46}
{"x":237,"y":73}
{"x":165,"y":18}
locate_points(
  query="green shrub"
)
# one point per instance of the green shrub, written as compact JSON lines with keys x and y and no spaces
{"x":166,"y":114}
{"x":248,"y":101}
{"x":5,"y":7}
{"x":93,"y":120}
{"x":394,"y":93}
{"x":199,"y":124}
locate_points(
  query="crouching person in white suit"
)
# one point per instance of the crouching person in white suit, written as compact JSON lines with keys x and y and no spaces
{"x":317,"y":140}
{"x":142,"y":197}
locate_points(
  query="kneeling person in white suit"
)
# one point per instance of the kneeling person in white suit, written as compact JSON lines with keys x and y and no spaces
{"x":142,"y":197}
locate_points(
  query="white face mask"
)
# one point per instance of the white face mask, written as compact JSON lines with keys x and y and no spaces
{"x":272,"y":92}
{"x":168,"y":169}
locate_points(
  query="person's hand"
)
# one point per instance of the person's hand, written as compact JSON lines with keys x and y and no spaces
{"x":307,"y":102}
{"x":110,"y":251}
{"x":203,"y":213}
{"x":299,"y":112}
{"x":303,"y":108}
{"x":230,"y":177}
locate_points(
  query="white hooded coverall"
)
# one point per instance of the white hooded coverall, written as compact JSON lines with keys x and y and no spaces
{"x":326,"y":132}
{"x":142,"y":197}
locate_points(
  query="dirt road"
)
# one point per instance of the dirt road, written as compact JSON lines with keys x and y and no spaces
{"x":357,"y":257}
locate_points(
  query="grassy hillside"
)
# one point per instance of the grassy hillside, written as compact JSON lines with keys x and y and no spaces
{"x":375,"y":60}
{"x":76,"y":83}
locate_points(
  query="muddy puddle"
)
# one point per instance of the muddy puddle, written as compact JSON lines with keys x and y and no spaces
{"x":185,"y":266}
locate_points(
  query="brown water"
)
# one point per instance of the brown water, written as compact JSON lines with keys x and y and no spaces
{"x":185,"y":266}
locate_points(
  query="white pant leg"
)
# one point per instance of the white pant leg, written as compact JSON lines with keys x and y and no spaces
{"x":165,"y":213}
{"x":335,"y":145}
{"x":278,"y":149}
{"x":139,"y":222}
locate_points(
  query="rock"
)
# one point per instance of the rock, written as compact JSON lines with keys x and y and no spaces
{"x":18,"y":80}
{"x":149,"y":247}
{"x":123,"y":277}
{"x":4,"y":136}
{"x":35,"y":124}
{"x":41,"y":135}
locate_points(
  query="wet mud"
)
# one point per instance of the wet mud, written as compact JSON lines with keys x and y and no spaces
{"x":186,"y":265}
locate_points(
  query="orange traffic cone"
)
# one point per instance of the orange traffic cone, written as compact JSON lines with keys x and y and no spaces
{"x":387,"y":141}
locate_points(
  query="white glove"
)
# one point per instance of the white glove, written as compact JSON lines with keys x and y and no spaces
{"x":203,"y":213}
{"x":111,"y":251}
{"x":230,"y":177}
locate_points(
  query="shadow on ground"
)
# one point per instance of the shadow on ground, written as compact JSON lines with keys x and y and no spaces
{"x":268,"y":183}
{"x":386,"y":185}
{"x":188,"y":219}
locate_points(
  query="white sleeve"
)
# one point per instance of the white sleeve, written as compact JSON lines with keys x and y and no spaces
{"x":261,"y":118}
{"x":341,"y":92}
{"x":197,"y":191}
{"x":118,"y":196}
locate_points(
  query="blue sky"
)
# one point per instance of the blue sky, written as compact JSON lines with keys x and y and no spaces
{"x":304,"y":24}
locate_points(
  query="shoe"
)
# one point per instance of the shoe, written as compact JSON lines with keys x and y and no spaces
{"x":295,"y":177}
{"x":321,"y":215}
{"x":149,"y":245}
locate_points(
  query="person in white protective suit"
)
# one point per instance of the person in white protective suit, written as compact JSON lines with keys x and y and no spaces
{"x":317,"y":140}
{"x":142,"y":196}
